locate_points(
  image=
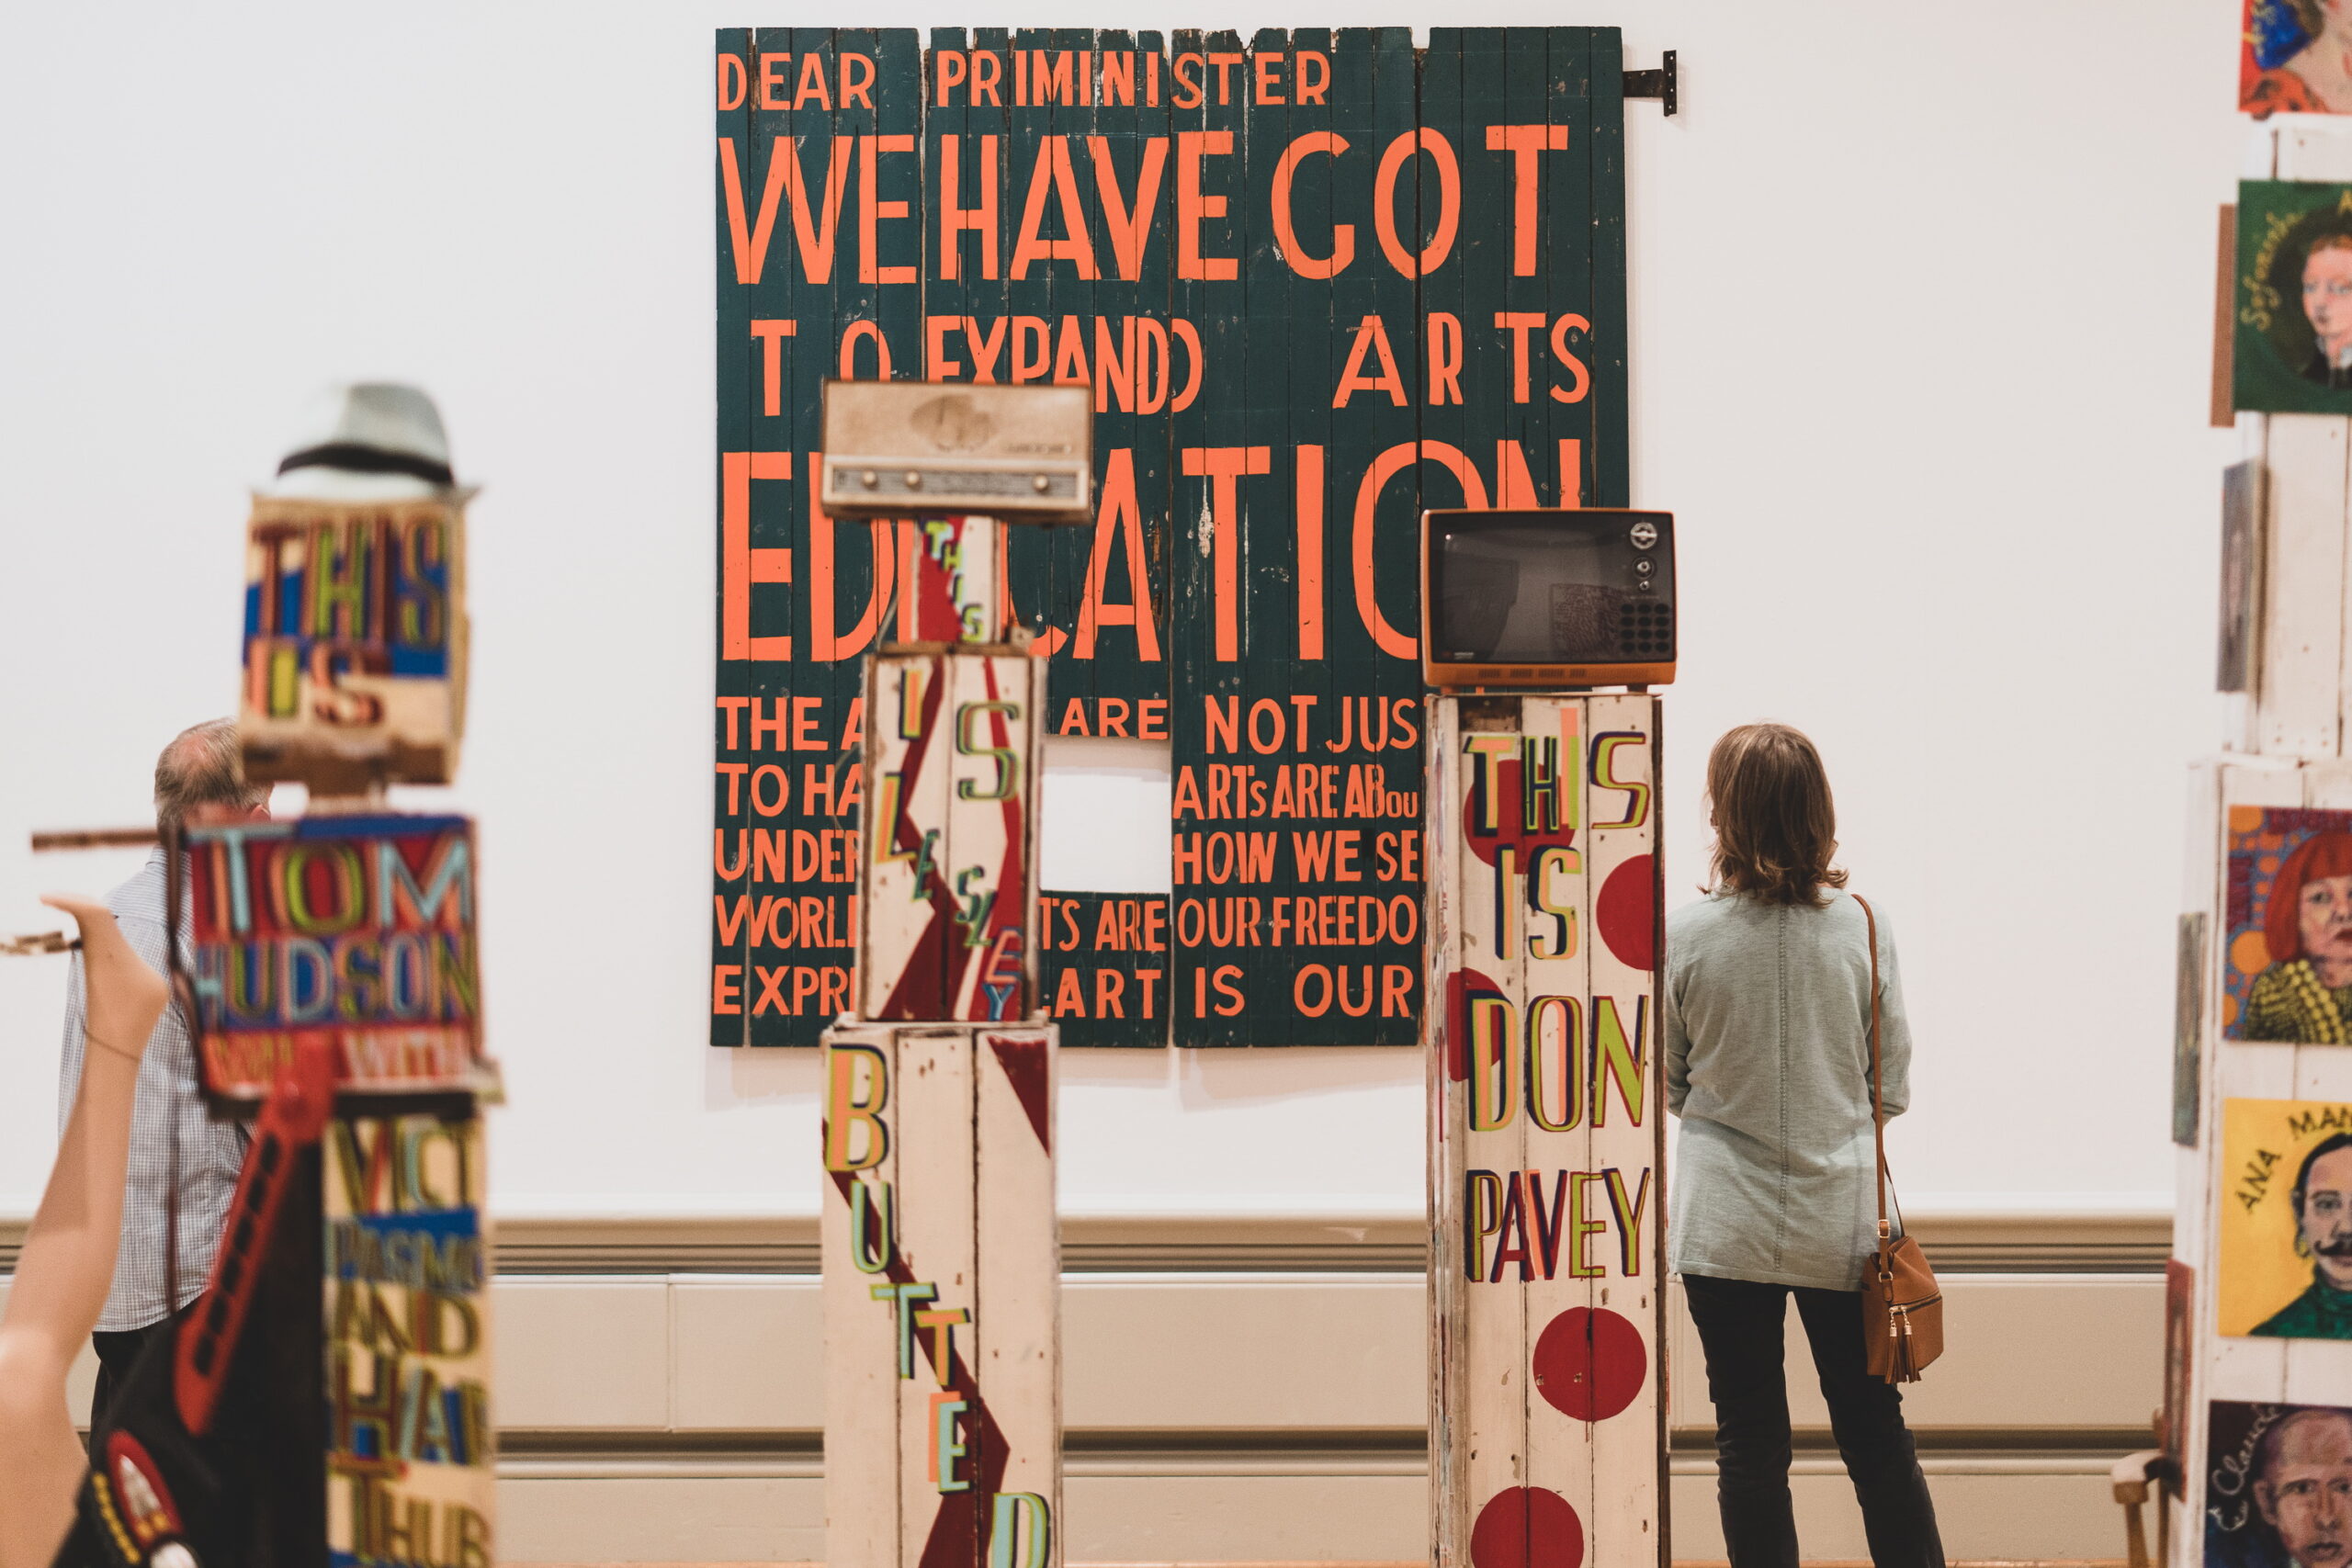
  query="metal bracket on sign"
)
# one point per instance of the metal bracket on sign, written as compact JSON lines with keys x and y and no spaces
{"x":1664,"y":83}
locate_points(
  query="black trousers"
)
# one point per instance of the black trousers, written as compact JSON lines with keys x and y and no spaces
{"x":1739,"y":1323}
{"x":119,"y":1351}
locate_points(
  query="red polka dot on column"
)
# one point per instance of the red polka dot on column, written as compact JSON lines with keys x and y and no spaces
{"x":1463,"y":988}
{"x":1627,"y":913}
{"x":1590,"y":1363}
{"x":1527,"y":1526}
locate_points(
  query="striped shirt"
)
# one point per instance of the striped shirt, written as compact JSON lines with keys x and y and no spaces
{"x":169,"y":1110}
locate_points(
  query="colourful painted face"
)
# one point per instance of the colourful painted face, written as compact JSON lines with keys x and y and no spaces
{"x":2327,"y":295}
{"x":2305,"y":1493}
{"x":2326,"y":1222}
{"x":2324,"y":913}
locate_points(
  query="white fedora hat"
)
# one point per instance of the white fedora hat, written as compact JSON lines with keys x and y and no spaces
{"x":368,"y":441}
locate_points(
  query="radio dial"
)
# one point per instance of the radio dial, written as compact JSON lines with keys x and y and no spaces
{"x":1643,"y":534}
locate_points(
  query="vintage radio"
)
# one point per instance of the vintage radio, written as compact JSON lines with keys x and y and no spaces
{"x":906,"y":449}
{"x":1548,"y":599}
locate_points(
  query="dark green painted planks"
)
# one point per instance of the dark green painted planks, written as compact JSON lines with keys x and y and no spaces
{"x":1319,"y":281}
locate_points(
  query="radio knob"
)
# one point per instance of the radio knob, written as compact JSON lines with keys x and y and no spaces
{"x":1643,"y":534}
{"x":1041,"y":484}
{"x":869,"y":478}
{"x":914,"y":481}
{"x":1645,"y":566}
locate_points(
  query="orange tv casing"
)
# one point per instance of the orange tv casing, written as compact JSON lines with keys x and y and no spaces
{"x":1536,"y":598}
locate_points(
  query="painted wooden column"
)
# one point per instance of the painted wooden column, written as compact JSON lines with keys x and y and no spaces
{"x":942,"y":1290}
{"x":330,"y":967}
{"x":2262,"y":1082}
{"x":412,"y":1450}
{"x":942,"y":1253}
{"x":1546,"y":1169}
{"x":949,"y":899}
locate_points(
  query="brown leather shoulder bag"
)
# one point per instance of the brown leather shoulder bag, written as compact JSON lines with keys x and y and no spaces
{"x":1902,"y":1307}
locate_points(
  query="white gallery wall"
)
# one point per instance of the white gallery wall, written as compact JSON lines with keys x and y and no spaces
{"x":1922,"y":313}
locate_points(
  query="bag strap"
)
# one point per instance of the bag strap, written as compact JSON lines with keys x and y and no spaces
{"x":1878,"y":1103}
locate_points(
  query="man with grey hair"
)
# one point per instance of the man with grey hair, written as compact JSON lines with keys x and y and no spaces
{"x":183,"y":1162}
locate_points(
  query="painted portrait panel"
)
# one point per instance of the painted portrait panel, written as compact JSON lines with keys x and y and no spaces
{"x":2295,"y":57}
{"x":2286,"y":971}
{"x":2172,"y":1428}
{"x":2278,"y":1489}
{"x":2188,"y":1026}
{"x":2238,"y":648}
{"x":2292,"y":297}
{"x":2286,"y":1220}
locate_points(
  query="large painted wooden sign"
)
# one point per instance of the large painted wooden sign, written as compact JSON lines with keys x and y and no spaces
{"x":354,"y":643}
{"x":1102,"y":965}
{"x":950,"y":898}
{"x":1318,"y":280}
{"x":355,"y":931}
{"x":943,"y":1298}
{"x":412,"y":1452}
{"x":1546,"y":1133}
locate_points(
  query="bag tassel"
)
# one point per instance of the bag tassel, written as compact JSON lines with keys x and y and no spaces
{"x":1898,"y":1326}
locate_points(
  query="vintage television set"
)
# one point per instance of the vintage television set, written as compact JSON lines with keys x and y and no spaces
{"x":1532,"y":598}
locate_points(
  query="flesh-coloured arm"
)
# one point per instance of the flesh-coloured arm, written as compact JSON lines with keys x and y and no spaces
{"x":67,"y":1260}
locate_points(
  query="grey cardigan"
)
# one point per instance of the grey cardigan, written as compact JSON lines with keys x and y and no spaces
{"x":1768,"y":1064}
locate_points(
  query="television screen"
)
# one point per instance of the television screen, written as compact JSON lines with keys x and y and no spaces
{"x":1551,"y":587}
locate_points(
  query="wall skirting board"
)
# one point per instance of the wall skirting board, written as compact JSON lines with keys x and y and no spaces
{"x":2006,"y":1241}
{"x":1246,"y":1392}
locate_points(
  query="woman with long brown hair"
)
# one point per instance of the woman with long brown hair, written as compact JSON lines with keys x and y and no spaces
{"x":1767,"y":1006}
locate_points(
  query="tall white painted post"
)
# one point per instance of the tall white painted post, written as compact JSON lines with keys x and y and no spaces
{"x":1546,"y":1169}
{"x":2284,"y":753}
{"x":940,"y":1251}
